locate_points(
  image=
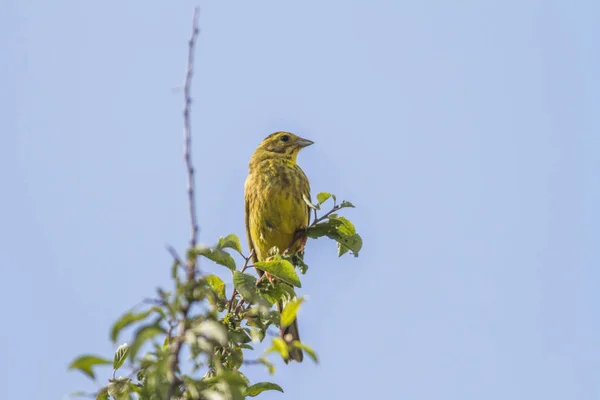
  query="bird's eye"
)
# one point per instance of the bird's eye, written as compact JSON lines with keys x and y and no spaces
{"x":285,"y":138}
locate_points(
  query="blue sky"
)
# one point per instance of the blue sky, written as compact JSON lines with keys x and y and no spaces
{"x":465,"y":132}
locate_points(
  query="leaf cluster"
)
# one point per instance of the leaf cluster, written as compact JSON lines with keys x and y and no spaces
{"x":215,"y":331}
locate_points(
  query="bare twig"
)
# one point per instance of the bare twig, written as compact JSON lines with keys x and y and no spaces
{"x":191,"y":262}
{"x":174,"y":254}
{"x":317,"y":220}
{"x":187,"y":89}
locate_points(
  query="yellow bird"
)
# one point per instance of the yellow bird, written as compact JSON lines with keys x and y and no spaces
{"x":275,"y":208}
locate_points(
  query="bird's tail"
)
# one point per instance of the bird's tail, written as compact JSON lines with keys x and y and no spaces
{"x":289,"y":334}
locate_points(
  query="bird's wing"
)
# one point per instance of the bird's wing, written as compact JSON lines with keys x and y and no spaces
{"x":251,"y":247}
{"x":308,"y":209}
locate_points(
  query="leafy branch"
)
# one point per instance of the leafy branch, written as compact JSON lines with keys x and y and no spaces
{"x":191,"y":260}
{"x":198,"y":318}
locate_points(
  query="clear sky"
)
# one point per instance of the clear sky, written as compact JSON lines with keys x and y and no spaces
{"x":467,"y":133}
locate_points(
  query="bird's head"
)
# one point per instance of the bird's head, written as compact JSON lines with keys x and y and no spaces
{"x":282,"y":145}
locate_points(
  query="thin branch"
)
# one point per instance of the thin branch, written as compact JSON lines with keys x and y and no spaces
{"x":317,"y":220}
{"x":174,"y":254}
{"x":191,"y":262}
{"x":187,"y":89}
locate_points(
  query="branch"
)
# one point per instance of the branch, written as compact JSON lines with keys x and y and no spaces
{"x":188,"y":130}
{"x":191,"y":262}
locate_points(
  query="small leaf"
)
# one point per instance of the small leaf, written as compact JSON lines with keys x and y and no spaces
{"x":282,"y":269}
{"x":86,"y":363}
{"x":120,"y":356}
{"x":345,"y":227}
{"x":219,"y":256}
{"x":230,"y":241}
{"x":239,"y":336}
{"x":78,"y":393}
{"x":210,"y":394}
{"x":277,"y":292}
{"x":311,"y":353}
{"x":102,"y":394}
{"x":346,"y":204}
{"x":339,"y":229}
{"x":323,"y":197}
{"x":352,"y":243}
{"x":216,"y":285}
{"x":130,"y":318}
{"x":260,"y":387}
{"x":245,"y":284}
{"x":279,"y":346}
{"x":319,"y":230}
{"x":212,"y":330}
{"x":298,"y":260}
{"x":309,"y":203}
{"x":342,"y":249}
{"x":119,"y":388}
{"x":174,"y":268}
{"x":143,"y":334}
{"x":288,"y":315}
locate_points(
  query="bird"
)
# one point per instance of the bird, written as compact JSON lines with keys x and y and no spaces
{"x":275,"y":207}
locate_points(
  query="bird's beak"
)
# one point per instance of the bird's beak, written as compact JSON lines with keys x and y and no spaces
{"x":304,"y":142}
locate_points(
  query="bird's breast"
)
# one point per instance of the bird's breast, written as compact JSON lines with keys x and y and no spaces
{"x":277,"y":207}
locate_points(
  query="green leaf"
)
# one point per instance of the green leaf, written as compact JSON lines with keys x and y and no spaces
{"x":260,"y":387}
{"x":230,"y":241}
{"x":339,"y":229}
{"x":120,"y":356}
{"x":279,"y":346}
{"x":119,"y":388}
{"x":245,"y":284}
{"x":212,"y":330}
{"x":352,"y":243}
{"x":342,"y":249}
{"x":311,"y":353}
{"x":344,"y":227}
{"x":239,"y":336}
{"x":288,"y":315}
{"x":219,"y":256}
{"x":130,"y":318}
{"x":233,"y":378}
{"x":174,"y":268}
{"x":277,"y":292}
{"x":86,"y":363}
{"x":216,"y":285}
{"x":210,"y":394}
{"x":323,"y":197}
{"x":298,"y":260}
{"x":309,"y":203}
{"x":143,"y":334}
{"x":282,"y":269}
{"x":78,"y":393}
{"x":102,"y":394}
{"x":346,"y":204}
{"x":319,"y":230}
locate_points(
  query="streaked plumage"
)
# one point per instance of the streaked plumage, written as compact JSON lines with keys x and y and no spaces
{"x":275,"y":208}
